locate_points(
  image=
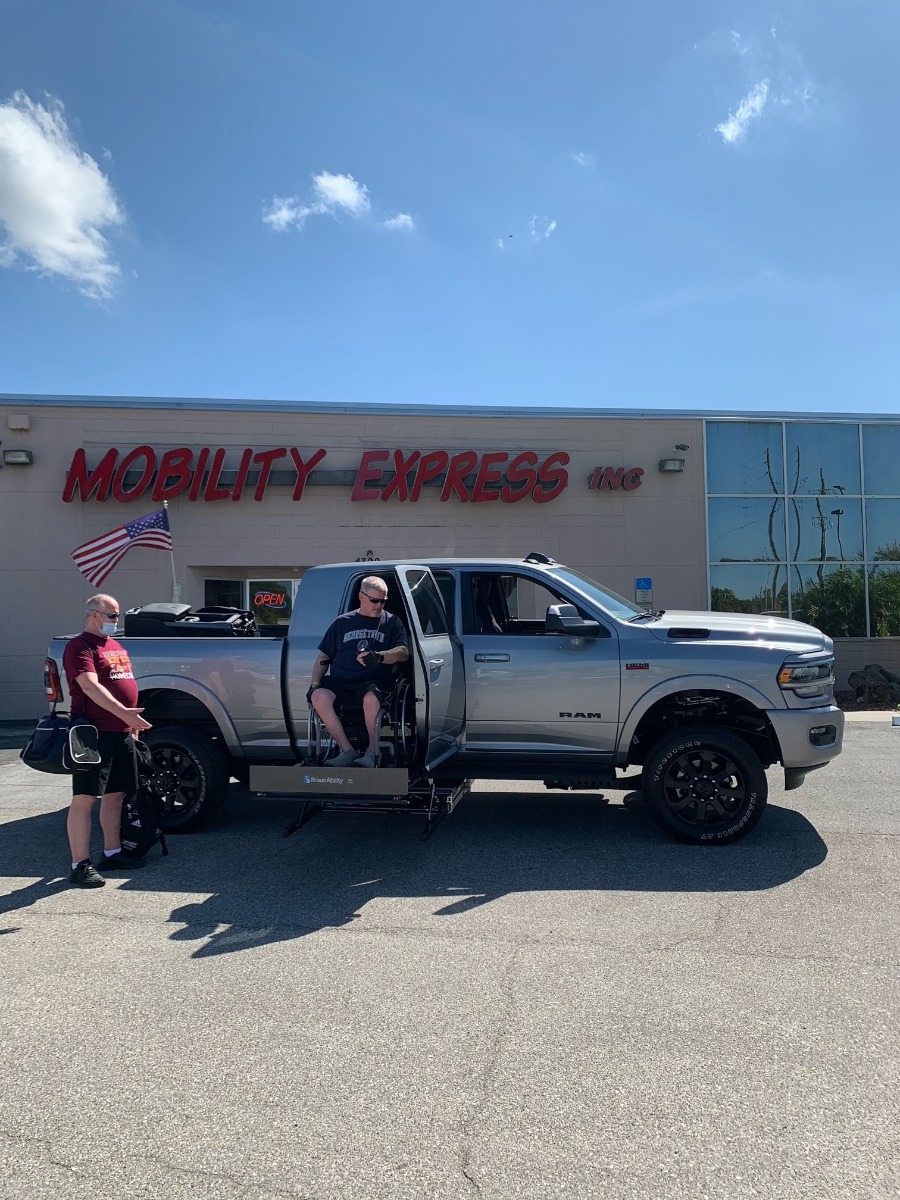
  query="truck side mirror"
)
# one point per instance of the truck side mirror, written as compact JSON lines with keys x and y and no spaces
{"x":564,"y":618}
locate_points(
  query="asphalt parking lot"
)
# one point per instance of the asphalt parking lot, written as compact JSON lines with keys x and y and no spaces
{"x":547,"y":999}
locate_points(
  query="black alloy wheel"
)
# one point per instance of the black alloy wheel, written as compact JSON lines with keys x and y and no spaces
{"x":704,"y":785}
{"x":191,"y":776}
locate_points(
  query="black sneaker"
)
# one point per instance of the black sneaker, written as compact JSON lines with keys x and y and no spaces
{"x":84,"y":875}
{"x":122,"y":861}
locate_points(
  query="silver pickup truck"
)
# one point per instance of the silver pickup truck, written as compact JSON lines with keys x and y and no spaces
{"x":519,"y":670}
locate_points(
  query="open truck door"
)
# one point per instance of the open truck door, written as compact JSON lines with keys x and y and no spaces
{"x":437,"y":665}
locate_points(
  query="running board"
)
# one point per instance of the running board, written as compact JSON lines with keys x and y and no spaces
{"x":349,"y":789}
{"x":328,"y":782}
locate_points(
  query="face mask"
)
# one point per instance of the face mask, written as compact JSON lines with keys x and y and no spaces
{"x":108,"y":628}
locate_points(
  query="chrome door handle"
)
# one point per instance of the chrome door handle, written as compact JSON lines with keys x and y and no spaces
{"x":492,"y":658}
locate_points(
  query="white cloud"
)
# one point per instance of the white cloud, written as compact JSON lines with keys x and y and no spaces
{"x":283,"y":213}
{"x":341,"y":191}
{"x":583,"y":160}
{"x":749,"y":110}
{"x":331,"y":194}
{"x":55,"y":202}
{"x":777,"y":84}
{"x":401,"y":221}
{"x":539,"y":228}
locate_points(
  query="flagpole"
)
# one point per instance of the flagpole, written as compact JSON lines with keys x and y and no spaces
{"x":176,"y":587}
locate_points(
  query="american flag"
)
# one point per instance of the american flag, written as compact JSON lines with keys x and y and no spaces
{"x":96,"y":558}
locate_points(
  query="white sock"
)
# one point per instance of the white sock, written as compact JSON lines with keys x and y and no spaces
{"x":110,"y":853}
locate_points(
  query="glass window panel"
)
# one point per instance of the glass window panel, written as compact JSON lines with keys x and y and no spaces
{"x":447,"y":585}
{"x":884,"y":601}
{"x":881,"y":456}
{"x":882,"y":529}
{"x":746,"y":530}
{"x":830,"y":597}
{"x":228,"y":592}
{"x":271,"y":600}
{"x":749,"y":589}
{"x":743,"y":456}
{"x":825,"y":529}
{"x":823,"y":459}
{"x":428,"y":602}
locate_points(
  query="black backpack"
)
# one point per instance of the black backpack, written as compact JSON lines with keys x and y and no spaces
{"x":143,"y":809}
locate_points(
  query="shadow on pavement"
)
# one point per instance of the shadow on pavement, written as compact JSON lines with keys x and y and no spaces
{"x":265,"y":888}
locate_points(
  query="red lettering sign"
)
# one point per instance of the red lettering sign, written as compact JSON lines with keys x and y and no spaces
{"x":467,"y":475}
{"x":174,"y":466}
{"x":81,"y":479}
{"x":613,"y":478}
{"x":139,"y":453}
{"x":269,"y":600}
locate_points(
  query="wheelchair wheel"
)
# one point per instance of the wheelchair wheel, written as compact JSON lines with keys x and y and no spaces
{"x":402,"y":725}
{"x":318,"y":741}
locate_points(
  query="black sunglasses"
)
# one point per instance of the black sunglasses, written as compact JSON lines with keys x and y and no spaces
{"x":373,"y":599}
{"x":111,"y":616}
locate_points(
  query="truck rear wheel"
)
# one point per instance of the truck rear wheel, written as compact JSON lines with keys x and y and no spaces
{"x":191,"y":773}
{"x":704,"y":785}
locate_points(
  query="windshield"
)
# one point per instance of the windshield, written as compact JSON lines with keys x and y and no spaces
{"x":610,"y":602}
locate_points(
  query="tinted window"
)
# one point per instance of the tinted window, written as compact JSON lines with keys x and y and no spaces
{"x":271,"y":600}
{"x":825,"y":529}
{"x":227,"y":592}
{"x":881,"y":459}
{"x":823,"y":459}
{"x":883,"y":529}
{"x":428,"y":602}
{"x":744,"y":456}
{"x":745,"y":529}
{"x":446,"y":582}
{"x":749,"y":589}
{"x":833,"y":598}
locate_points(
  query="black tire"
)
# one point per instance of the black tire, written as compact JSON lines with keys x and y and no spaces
{"x":192,"y":774}
{"x":704,"y":785}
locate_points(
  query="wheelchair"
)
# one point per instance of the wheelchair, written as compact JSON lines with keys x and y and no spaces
{"x":398,"y":747}
{"x":395,"y":729}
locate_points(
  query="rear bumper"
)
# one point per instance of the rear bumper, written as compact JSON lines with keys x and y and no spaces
{"x":808,"y":737}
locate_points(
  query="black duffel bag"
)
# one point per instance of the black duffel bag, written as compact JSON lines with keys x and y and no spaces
{"x":59,"y":746}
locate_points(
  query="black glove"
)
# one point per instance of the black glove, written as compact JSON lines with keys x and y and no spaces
{"x":372,"y":658}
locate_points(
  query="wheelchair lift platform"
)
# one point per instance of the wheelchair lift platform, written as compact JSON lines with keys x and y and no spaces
{"x":323,"y":788}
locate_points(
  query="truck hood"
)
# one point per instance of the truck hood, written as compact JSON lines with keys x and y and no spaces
{"x":793,"y":636}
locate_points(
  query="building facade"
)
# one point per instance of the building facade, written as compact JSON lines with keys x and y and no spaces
{"x":794,"y":515}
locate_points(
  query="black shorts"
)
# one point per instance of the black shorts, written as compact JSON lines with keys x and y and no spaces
{"x":116,"y":771}
{"x":348,"y":689}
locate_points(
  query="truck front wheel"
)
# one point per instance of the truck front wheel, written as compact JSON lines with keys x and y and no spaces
{"x":704,"y":785}
{"x":191,"y":773}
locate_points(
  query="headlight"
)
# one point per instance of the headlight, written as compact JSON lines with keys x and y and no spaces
{"x":807,"y":679}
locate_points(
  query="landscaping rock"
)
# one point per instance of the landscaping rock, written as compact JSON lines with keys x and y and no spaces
{"x":875,"y":685}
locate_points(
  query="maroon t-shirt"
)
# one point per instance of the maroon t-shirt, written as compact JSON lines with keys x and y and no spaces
{"x":110,"y":662}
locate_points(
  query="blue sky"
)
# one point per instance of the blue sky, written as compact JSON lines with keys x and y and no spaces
{"x":658,"y":204}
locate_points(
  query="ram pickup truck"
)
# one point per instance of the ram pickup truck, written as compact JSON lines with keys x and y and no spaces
{"x":519,"y":670}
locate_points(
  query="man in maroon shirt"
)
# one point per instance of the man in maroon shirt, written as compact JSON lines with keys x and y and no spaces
{"x":103,"y":691}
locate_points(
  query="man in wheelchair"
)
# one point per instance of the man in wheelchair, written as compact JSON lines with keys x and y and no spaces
{"x":359,"y":650}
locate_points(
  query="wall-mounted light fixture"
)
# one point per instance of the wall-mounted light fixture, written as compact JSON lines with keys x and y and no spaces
{"x":17,"y":458}
{"x":671,"y":464}
{"x":369,"y":556}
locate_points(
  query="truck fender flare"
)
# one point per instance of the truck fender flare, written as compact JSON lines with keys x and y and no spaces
{"x":209,"y":700}
{"x":688,"y":683}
